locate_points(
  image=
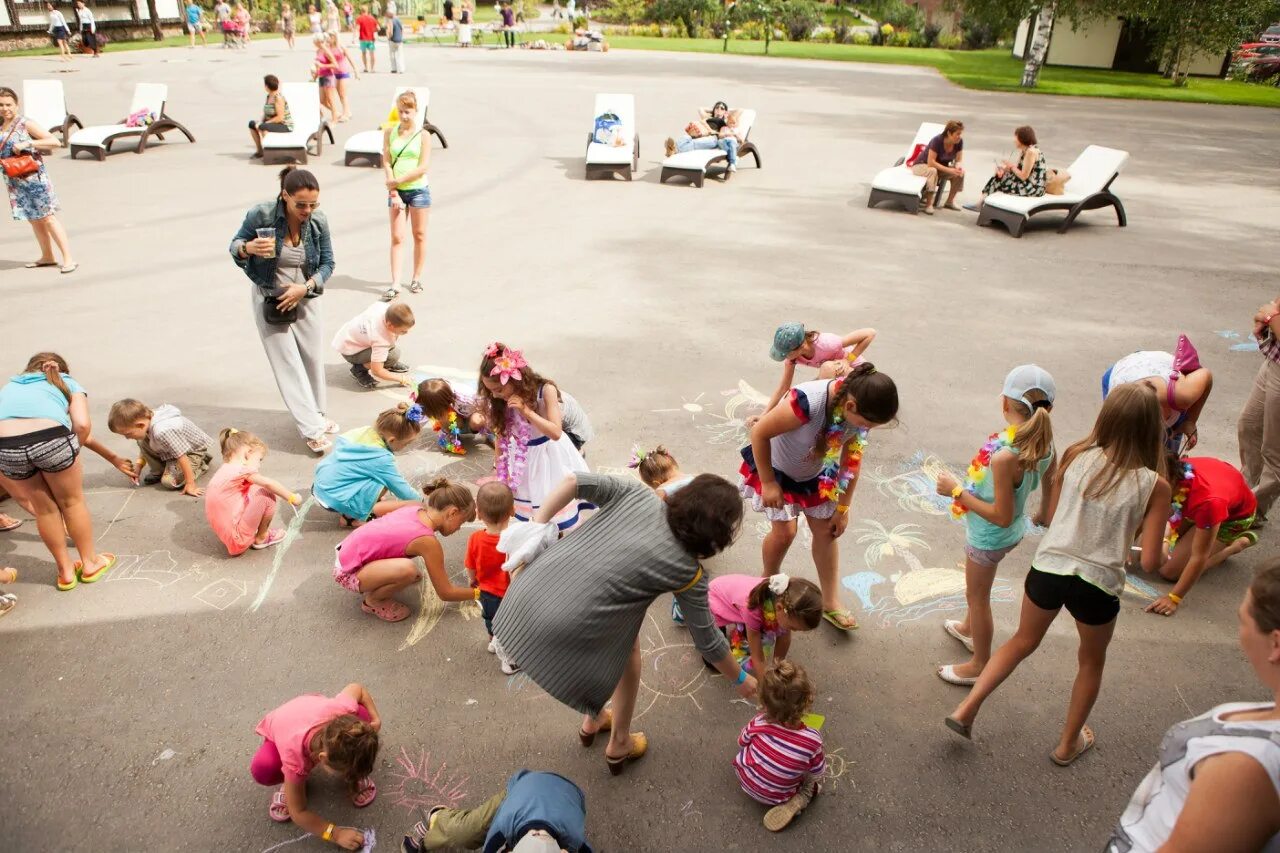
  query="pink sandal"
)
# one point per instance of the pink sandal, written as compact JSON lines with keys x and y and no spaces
{"x":274,"y":537}
{"x":279,"y":809}
{"x":365,"y":793}
{"x":389,"y":611}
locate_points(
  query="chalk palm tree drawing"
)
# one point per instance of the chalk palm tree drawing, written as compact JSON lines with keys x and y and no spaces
{"x":917,"y":592}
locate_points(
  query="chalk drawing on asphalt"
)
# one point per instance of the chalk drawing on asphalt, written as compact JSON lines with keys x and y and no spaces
{"x":420,"y":783}
{"x":669,"y":671}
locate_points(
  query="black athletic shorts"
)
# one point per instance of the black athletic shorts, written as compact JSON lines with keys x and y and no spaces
{"x":1085,"y":602}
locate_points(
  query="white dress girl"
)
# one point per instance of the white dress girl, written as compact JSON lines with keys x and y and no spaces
{"x":546,"y":462}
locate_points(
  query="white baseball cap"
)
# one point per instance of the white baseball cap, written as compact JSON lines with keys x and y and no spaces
{"x":536,"y":841}
{"x":1029,"y":377}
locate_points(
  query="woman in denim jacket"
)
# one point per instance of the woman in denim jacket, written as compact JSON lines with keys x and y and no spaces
{"x":288,"y":269}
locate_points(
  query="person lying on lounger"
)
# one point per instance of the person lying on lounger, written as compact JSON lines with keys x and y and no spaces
{"x":715,"y":128}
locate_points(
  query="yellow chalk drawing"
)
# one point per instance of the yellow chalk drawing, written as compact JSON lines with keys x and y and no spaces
{"x":668,"y":670}
{"x":927,"y":583}
{"x":430,"y":608}
{"x":837,"y":767}
{"x":914,"y":489}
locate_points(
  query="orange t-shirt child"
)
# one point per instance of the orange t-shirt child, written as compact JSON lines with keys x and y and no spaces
{"x":484,"y":561}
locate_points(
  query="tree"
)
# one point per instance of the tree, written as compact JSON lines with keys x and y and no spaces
{"x":1039,"y":47}
{"x":155,"y":20}
{"x":764,"y":12}
{"x":1187,"y":27}
{"x":690,"y":13}
{"x":799,"y":18}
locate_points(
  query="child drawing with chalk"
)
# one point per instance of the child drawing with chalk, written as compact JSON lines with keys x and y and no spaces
{"x":757,"y":616}
{"x":377,"y":560}
{"x":494,"y":506}
{"x":453,"y":413}
{"x":659,"y":471}
{"x":992,"y":500}
{"x":336,"y":734}
{"x":780,"y":758}
{"x":355,"y":478}
{"x":832,"y":354}
{"x":240,"y":502}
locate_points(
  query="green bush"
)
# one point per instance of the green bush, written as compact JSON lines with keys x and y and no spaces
{"x":648,"y":30}
{"x":689,"y":14}
{"x":862,"y":38}
{"x":977,"y":35}
{"x":896,"y":12}
{"x":799,"y":18}
{"x":620,"y":11}
{"x":824,"y":37}
{"x":564,"y":29}
{"x":901,"y":39}
{"x":929,"y":35}
{"x":750,"y":31}
{"x":950,"y":41}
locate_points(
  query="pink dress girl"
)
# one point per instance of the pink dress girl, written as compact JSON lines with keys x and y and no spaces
{"x":236,"y":508}
{"x":727,"y":596}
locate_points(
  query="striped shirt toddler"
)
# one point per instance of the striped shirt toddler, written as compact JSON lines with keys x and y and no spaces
{"x":775,"y":760}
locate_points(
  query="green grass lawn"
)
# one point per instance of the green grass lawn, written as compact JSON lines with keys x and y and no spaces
{"x":993,"y":70}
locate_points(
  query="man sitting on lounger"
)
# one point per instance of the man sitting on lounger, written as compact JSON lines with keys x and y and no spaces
{"x":716,"y":128}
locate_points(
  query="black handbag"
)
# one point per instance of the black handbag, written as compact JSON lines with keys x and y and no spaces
{"x":271,"y":310}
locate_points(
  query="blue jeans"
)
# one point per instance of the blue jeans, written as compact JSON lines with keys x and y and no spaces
{"x":728,"y":144}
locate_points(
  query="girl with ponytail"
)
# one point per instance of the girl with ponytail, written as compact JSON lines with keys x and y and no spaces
{"x":804,"y":458}
{"x":992,"y":501}
{"x":757,"y":616}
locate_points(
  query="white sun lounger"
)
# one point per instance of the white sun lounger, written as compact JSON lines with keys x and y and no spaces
{"x":309,"y":127}
{"x":97,"y":140}
{"x":367,"y":144}
{"x":1088,"y":188}
{"x":693,"y":165}
{"x":45,"y":103}
{"x":615,"y":159}
{"x":897,"y":183}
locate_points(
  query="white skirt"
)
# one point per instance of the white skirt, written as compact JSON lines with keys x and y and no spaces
{"x":464,"y":34}
{"x":546,"y":464}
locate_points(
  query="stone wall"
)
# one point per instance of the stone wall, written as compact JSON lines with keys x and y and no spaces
{"x":114,"y":33}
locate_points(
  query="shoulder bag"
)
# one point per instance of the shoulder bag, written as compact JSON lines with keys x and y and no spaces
{"x":18,"y":165}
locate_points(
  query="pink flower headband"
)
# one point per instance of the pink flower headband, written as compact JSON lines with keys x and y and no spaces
{"x":506,"y":362}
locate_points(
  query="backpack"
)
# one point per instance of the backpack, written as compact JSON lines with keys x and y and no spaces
{"x":607,"y":128}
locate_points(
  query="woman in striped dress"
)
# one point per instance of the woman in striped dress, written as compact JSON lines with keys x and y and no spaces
{"x":572,"y":617}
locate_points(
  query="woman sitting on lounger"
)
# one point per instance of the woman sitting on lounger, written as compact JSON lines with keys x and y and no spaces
{"x":716,"y":128}
{"x":1025,"y":175}
{"x":275,"y":114}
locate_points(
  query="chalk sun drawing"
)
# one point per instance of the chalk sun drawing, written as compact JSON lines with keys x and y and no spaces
{"x":671,"y":671}
{"x":420,"y":785}
{"x":919,"y":591}
{"x":837,"y":767}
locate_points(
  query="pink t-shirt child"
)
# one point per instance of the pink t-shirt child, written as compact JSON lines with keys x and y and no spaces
{"x":235,"y":507}
{"x":367,"y":331}
{"x":291,"y":725}
{"x":827,"y":347}
{"x":384,"y":538}
{"x":727,"y":595}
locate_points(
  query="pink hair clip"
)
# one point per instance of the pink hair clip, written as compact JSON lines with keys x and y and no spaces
{"x":637,"y":456}
{"x":492,"y":350}
{"x":507,"y":366}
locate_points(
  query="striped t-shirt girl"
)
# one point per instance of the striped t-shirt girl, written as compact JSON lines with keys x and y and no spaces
{"x":775,"y":760}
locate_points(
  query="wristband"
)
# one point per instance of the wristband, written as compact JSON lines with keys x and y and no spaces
{"x":842,"y":508}
{"x":742,"y":675}
{"x":957,"y":492}
{"x":477,"y":592}
{"x":328,"y":833}
{"x":1174,"y":597}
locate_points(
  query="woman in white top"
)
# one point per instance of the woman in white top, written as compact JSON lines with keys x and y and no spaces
{"x":1182,"y":395}
{"x":60,"y":32}
{"x":1109,"y":486}
{"x":1216,"y":783}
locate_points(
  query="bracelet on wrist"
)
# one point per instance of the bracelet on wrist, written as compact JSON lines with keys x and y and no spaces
{"x":477,"y":593}
{"x":328,"y":833}
{"x":842,"y":508}
{"x":1175,"y":598}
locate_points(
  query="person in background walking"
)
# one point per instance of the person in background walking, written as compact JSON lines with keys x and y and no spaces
{"x":88,"y":28}
{"x":31,"y":196}
{"x":367,"y":31}
{"x":1259,"y":427}
{"x":508,"y":24}
{"x":395,"y":44}
{"x":59,"y":32}
{"x":195,"y":23}
{"x":287,"y":26}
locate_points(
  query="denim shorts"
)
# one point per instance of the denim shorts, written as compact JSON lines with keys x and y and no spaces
{"x":419,"y":198}
{"x":51,"y":450}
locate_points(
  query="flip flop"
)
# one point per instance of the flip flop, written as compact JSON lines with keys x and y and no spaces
{"x":90,"y":578}
{"x":278,"y":810}
{"x":959,"y":728}
{"x":70,"y":269}
{"x":11,"y":573}
{"x":1087,"y":733}
{"x":390,"y":611}
{"x":952,"y":627}
{"x":67,"y":587}
{"x":35,"y":265}
{"x":7,"y":603}
{"x":948,"y":674}
{"x":365,"y":794}
{"x":605,"y":724}
{"x":834,"y":617}
{"x":640,"y":746}
{"x":274,"y":537}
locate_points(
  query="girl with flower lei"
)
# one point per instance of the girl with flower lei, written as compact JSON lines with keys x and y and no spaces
{"x":1210,"y":518}
{"x":453,"y":413}
{"x":804,"y":458}
{"x":757,"y":616}
{"x":534,"y":441}
{"x":992,"y":501}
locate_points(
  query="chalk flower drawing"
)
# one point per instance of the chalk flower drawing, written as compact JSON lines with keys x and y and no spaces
{"x":917,"y":592}
{"x":418,"y":785}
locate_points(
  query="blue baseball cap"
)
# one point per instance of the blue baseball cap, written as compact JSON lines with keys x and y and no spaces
{"x":785,"y":339}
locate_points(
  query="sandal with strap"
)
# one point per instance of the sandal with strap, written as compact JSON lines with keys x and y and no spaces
{"x":274,"y":537}
{"x":8,"y":522}
{"x":639,"y":746}
{"x":365,"y":791}
{"x":604,"y":723}
{"x":415,"y":286}
{"x":90,"y":577}
{"x":1087,"y":734}
{"x":388,"y":611}
{"x":319,"y":445}
{"x":279,"y":808}
{"x":7,"y":603}
{"x":390,"y":293}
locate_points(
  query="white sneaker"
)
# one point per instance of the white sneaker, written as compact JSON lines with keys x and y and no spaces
{"x":493,"y":650}
{"x":509,"y":667}
{"x":733,"y":167}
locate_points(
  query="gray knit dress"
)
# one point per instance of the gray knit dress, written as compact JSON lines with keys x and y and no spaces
{"x":572,"y":616}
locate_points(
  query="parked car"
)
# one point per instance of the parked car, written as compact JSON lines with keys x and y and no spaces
{"x":1256,"y":49}
{"x":1272,"y":35}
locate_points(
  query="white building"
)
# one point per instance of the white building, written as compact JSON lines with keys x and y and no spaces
{"x":1119,"y":44}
